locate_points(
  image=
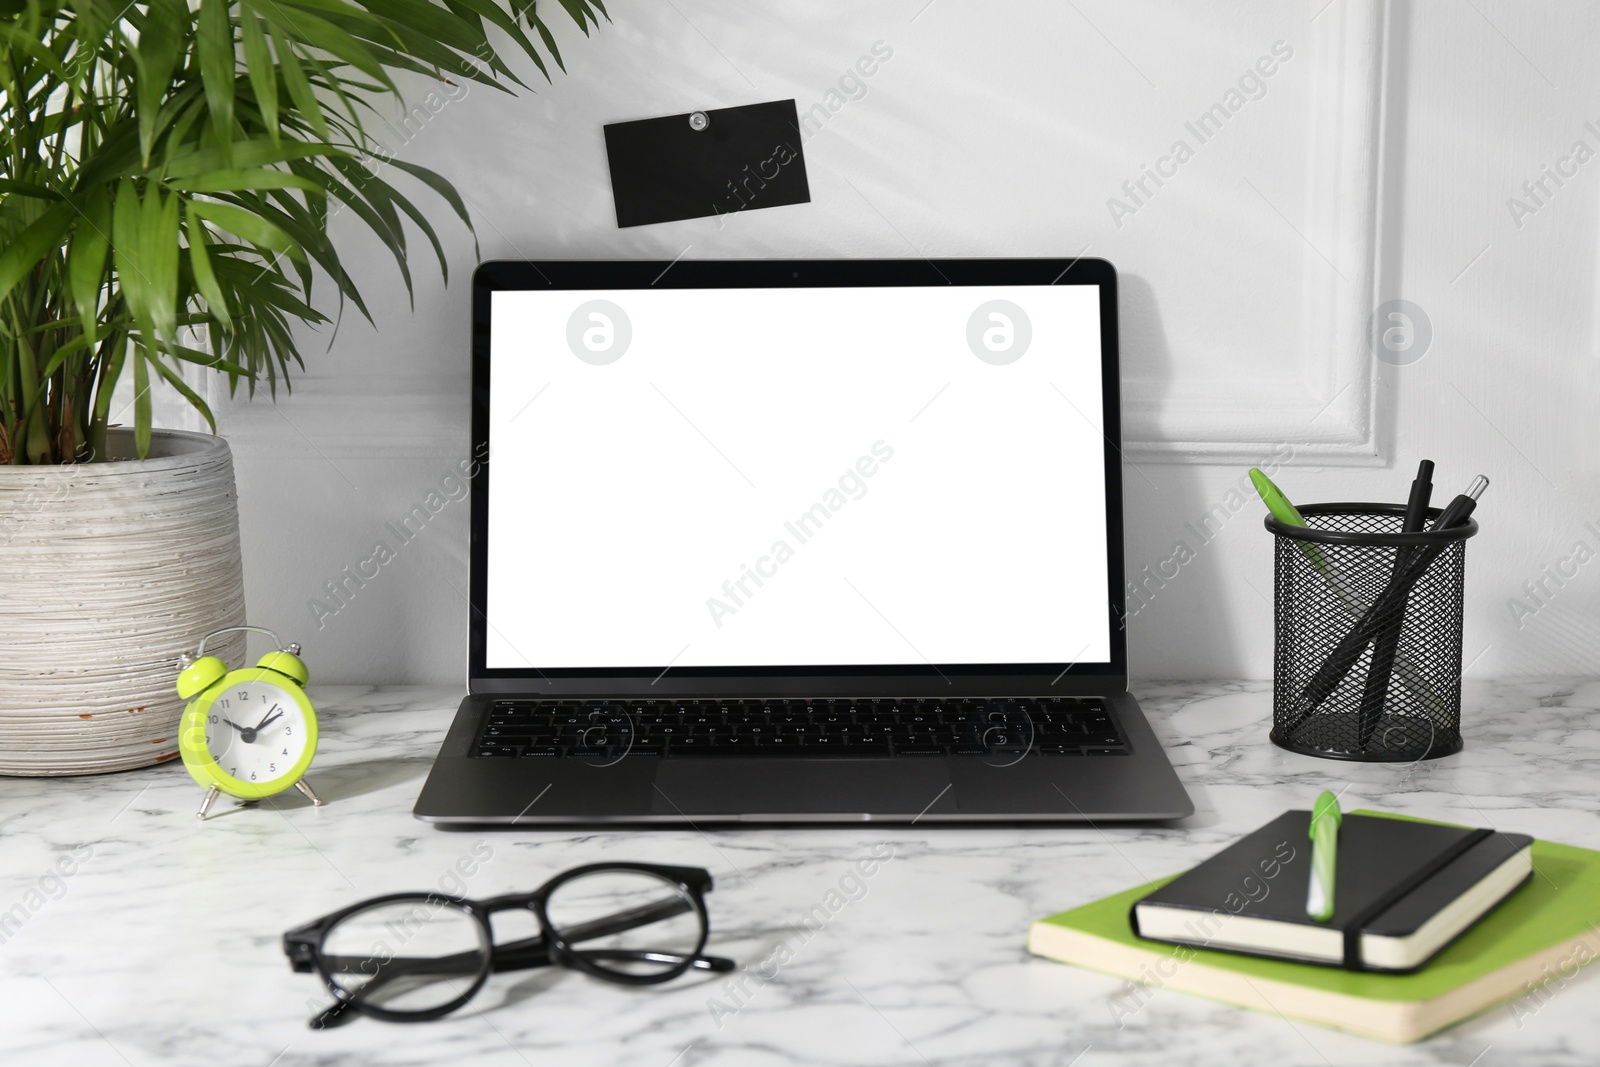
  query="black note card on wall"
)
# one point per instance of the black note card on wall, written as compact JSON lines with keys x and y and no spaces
{"x":707,"y":163}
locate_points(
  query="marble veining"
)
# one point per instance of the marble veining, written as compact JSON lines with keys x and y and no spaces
{"x":140,"y":936}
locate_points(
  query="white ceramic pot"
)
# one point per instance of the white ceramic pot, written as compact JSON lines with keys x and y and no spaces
{"x":108,"y":573}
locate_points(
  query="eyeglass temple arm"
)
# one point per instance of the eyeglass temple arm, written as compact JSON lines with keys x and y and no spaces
{"x":521,"y":955}
{"x":533,"y":952}
{"x":341,"y":1011}
{"x":700,"y":963}
{"x":516,"y":955}
{"x":511,"y":956}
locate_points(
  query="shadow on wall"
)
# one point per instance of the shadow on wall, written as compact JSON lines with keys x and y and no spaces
{"x":1176,"y":613}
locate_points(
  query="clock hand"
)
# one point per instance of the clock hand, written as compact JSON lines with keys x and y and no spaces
{"x":268,"y":722}
{"x":247,"y":734}
{"x":265,"y":718}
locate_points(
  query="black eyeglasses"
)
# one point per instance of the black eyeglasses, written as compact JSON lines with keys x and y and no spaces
{"x":410,"y":957}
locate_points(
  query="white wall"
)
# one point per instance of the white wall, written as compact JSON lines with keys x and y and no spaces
{"x":1375,"y":163}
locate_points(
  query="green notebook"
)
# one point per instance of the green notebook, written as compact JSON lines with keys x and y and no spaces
{"x":1523,"y":951}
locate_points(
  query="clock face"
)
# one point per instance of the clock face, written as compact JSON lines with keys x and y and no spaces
{"x":256,"y":731}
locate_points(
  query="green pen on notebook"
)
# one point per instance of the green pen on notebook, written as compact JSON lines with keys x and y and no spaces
{"x":1324,"y":856}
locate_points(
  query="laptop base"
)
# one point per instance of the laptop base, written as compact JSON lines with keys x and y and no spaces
{"x":629,"y":788}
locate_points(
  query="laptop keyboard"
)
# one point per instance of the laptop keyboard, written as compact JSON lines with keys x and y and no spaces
{"x":836,"y":726}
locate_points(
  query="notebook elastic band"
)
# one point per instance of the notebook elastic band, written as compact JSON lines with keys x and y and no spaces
{"x":1354,"y":928}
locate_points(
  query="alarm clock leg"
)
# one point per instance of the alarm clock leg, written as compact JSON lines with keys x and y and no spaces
{"x":205,"y":805}
{"x":305,"y":788}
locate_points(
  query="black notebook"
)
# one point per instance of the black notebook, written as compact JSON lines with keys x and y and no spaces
{"x":1403,"y":890}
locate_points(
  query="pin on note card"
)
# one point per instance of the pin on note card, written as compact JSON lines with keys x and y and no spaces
{"x":701,"y":163}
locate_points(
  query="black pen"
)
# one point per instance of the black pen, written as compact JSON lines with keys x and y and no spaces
{"x":1421,"y":493}
{"x":1457,"y":512}
{"x":1389,"y":604}
{"x":1381,"y":668}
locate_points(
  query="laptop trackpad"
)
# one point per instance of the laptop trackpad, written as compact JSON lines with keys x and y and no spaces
{"x":778,"y":786}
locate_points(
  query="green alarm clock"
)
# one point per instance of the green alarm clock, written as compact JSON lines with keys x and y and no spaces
{"x":250,"y":733}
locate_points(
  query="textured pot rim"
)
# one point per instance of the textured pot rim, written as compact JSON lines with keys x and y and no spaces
{"x":170,"y":450}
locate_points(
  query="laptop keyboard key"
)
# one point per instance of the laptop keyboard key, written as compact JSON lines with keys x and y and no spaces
{"x":497,"y":733}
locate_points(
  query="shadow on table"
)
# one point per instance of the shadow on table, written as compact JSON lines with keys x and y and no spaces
{"x":530,"y":987}
{"x":347,"y":780}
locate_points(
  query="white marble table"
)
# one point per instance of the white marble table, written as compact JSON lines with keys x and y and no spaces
{"x":162,"y":945}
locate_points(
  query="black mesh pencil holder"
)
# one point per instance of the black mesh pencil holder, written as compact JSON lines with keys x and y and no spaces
{"x":1367,"y":650}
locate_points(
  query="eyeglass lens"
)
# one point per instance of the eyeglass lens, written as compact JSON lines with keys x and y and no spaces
{"x":406,"y":956}
{"x":629,"y":923}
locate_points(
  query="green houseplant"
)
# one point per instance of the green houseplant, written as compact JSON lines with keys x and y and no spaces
{"x":168,"y":172}
{"x":168,"y":169}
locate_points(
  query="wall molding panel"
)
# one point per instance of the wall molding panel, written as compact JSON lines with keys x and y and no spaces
{"x":1322,"y":400}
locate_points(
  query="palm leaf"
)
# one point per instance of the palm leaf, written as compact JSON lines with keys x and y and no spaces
{"x":141,"y":401}
{"x":31,"y":244}
{"x":205,"y":278}
{"x":242,"y":223}
{"x":296,"y":82}
{"x":158,"y":255}
{"x":86,"y":263}
{"x":263,"y":73}
{"x":172,"y":378}
{"x":162,"y":29}
{"x":214,"y":48}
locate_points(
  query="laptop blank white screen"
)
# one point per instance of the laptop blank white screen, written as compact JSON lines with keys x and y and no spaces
{"x":796,"y":477}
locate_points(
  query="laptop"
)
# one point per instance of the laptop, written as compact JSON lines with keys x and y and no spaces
{"x":797,"y":541}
